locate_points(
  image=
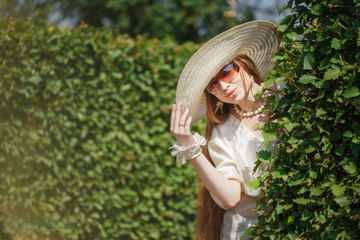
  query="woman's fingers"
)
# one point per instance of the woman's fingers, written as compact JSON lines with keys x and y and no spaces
{"x":179,"y":123}
{"x":183,"y":118}
{"x":187,"y":125}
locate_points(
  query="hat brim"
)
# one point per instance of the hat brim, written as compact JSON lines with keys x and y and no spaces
{"x":256,"y":39}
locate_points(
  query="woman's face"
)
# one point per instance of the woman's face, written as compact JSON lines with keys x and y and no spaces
{"x":231,"y":84}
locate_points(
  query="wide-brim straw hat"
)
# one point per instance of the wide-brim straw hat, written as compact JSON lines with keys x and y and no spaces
{"x":256,"y":39}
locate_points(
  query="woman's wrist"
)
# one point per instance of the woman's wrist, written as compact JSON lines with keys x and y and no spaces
{"x":184,"y":153}
{"x":186,"y":141}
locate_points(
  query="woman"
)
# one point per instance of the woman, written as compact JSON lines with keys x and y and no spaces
{"x":223,"y":77}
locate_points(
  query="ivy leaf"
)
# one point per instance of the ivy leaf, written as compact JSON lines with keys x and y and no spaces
{"x":320,"y":112}
{"x":254,"y":183}
{"x":317,"y":191}
{"x":340,"y":149}
{"x":291,"y":125}
{"x":289,"y":220}
{"x":342,"y":201}
{"x":293,"y":36}
{"x":307,"y":78}
{"x":332,"y":73}
{"x":349,"y":165}
{"x":301,"y":200}
{"x":281,"y":80}
{"x":264,"y":156}
{"x":282,"y":28}
{"x":338,"y":190}
{"x":335,"y":43}
{"x":278,"y":173}
{"x":309,"y":62}
{"x":268,"y":138}
{"x":351,"y":92}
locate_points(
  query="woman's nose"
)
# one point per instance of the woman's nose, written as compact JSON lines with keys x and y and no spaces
{"x":223,"y":85}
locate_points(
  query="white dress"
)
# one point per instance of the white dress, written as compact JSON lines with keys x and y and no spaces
{"x":233,"y":149}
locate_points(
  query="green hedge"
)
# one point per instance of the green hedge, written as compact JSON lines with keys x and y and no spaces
{"x":314,"y":186}
{"x":84,"y":136}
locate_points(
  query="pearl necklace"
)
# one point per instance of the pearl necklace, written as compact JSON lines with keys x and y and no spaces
{"x":252,"y":113}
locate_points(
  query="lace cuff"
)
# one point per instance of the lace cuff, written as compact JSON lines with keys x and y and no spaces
{"x":189,"y":152}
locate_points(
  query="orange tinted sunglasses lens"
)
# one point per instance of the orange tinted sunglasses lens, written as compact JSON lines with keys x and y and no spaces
{"x":226,"y":74}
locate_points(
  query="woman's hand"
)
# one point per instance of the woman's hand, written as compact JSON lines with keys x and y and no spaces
{"x":180,"y":126}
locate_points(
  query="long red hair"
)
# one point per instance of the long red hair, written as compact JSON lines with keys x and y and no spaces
{"x":210,"y":215}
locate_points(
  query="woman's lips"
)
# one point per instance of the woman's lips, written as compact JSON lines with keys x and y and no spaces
{"x":232,"y":93}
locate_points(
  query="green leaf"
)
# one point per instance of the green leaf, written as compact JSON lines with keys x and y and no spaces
{"x":278,"y":173}
{"x":335,"y":43}
{"x":320,"y":112}
{"x":254,"y":183}
{"x":307,"y":78}
{"x":290,"y":125}
{"x":296,"y":182}
{"x":264,"y":156}
{"x":309,"y":62}
{"x":338,"y":190}
{"x":332,"y":73}
{"x":307,"y":215}
{"x":282,"y":28}
{"x":293,"y":36}
{"x":117,"y":75}
{"x":289,"y":220}
{"x":301,"y":200}
{"x":322,"y":84}
{"x":316,"y":9}
{"x":268,"y":137}
{"x":342,"y":201}
{"x":349,"y":165}
{"x":317,"y":191}
{"x":348,"y":134}
{"x":281,"y":80}
{"x":340,"y":150}
{"x":351,"y":92}
{"x":313,"y":174}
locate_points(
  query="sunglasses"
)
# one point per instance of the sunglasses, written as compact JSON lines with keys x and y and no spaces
{"x":226,"y":74}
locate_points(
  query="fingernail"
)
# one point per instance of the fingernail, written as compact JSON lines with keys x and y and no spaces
{"x":187,"y":110}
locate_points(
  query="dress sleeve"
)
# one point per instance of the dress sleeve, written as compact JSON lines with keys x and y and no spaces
{"x":222,"y":155}
{"x":221,"y":152}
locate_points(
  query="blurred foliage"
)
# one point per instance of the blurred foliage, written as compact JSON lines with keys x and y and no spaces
{"x":21,"y":10}
{"x":313,"y":187}
{"x":84,"y":136}
{"x":185,"y":20}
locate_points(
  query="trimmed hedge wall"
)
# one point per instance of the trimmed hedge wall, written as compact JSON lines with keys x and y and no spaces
{"x":84,"y":136}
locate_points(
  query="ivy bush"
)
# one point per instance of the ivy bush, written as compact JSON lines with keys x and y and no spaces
{"x":314,"y":184}
{"x":84,"y":135}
